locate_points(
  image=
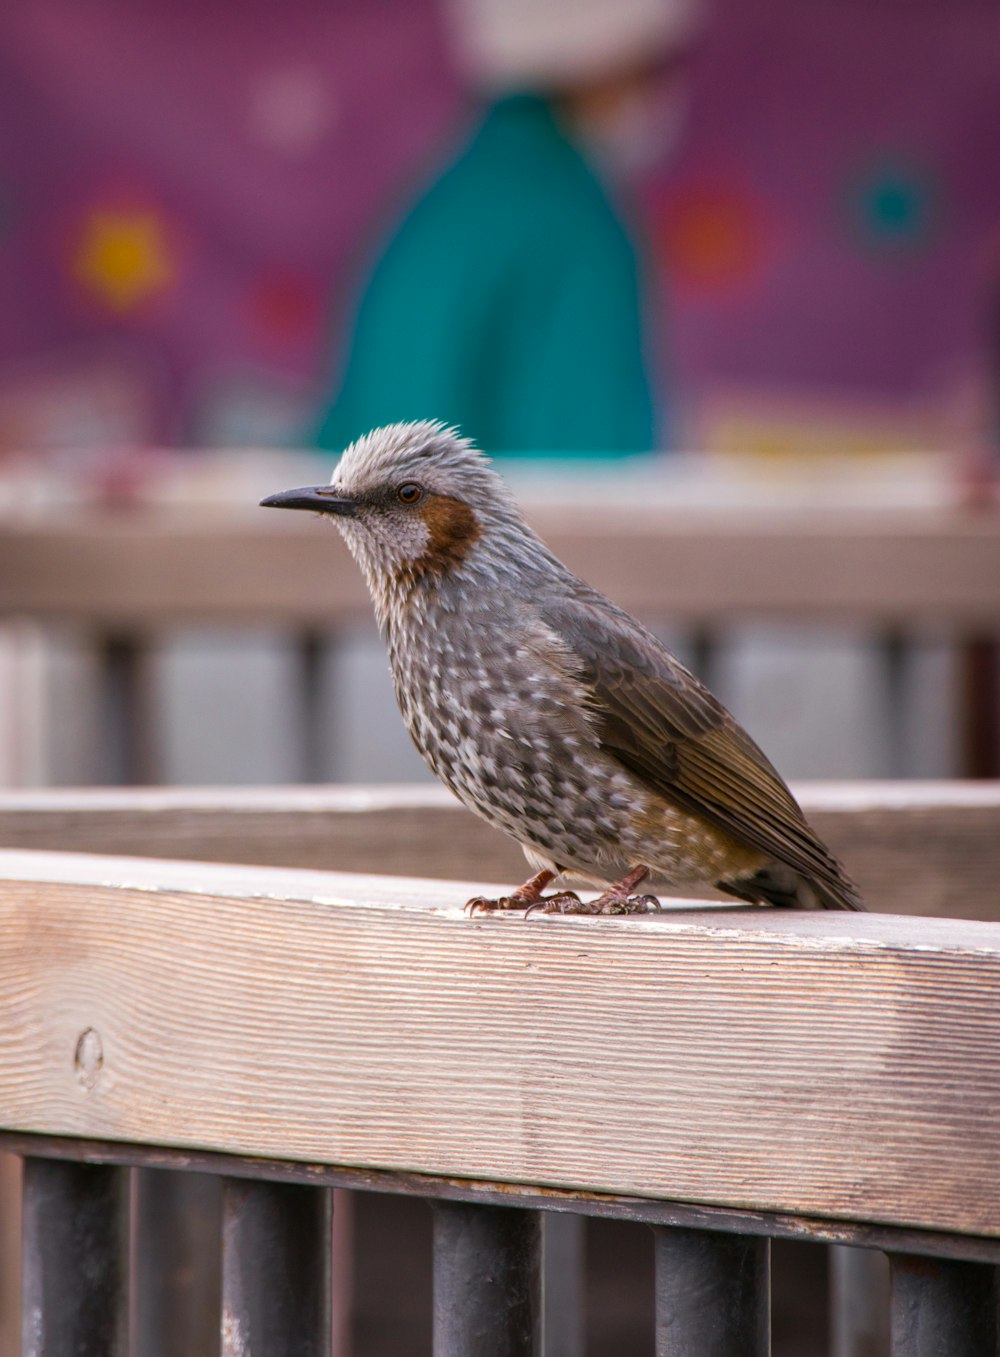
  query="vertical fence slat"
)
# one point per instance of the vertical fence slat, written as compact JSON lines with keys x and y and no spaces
{"x":940,"y":1306}
{"x":74,"y":1284}
{"x":127,"y":730}
{"x":895,"y":656}
{"x":487,"y":1281}
{"x":176,"y":1266}
{"x":713,"y":1294}
{"x":275,"y":1269}
{"x":309,"y":656}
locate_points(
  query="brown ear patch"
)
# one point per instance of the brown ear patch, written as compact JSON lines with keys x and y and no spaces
{"x":453,"y":530}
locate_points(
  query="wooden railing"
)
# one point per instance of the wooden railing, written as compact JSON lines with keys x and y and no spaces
{"x":725,"y":1075}
{"x":125,"y":578}
{"x":145,"y":567}
{"x":914,"y":847}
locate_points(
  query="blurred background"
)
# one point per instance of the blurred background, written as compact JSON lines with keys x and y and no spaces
{"x":713,"y":249}
{"x":190,"y":200}
{"x":735,"y":253}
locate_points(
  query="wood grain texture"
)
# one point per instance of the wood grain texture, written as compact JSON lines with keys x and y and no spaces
{"x":928,"y":848}
{"x":835,"y":1065}
{"x":147,"y":568}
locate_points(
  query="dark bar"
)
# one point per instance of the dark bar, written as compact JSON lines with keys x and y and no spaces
{"x":74,"y":1285}
{"x":176,"y":1263}
{"x":127,"y":754}
{"x":895,"y":667}
{"x":704,"y":655}
{"x":942,"y":1308}
{"x":713,"y":1294}
{"x":487,"y":1281}
{"x":979,"y":657}
{"x":275,"y":1269}
{"x":310,"y":653}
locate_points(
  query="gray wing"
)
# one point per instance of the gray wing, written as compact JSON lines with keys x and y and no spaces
{"x":664,"y":726}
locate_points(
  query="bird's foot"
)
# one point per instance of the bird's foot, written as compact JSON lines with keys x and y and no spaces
{"x":520,"y":899}
{"x":617,"y":900}
{"x":526,"y":897}
{"x":608,"y":903}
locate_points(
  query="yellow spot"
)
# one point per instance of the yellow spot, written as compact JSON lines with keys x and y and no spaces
{"x":123,"y":257}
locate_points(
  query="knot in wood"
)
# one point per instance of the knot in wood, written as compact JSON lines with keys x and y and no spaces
{"x":88,"y":1058}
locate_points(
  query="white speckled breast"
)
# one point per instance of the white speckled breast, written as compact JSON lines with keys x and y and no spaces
{"x":502,"y":723}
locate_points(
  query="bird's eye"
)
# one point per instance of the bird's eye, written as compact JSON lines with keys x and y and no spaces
{"x":410,"y":492}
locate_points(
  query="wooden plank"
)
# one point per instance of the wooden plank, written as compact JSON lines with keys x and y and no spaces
{"x":151,"y":567}
{"x":816,"y":1064}
{"x":928,"y":848}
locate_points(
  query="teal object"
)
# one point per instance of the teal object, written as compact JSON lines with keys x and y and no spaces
{"x":896,"y":204}
{"x":507,"y":303}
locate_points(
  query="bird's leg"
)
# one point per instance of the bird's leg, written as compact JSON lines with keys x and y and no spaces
{"x":528,"y":896}
{"x":617,"y":900}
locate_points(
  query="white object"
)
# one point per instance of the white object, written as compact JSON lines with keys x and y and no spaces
{"x":508,"y":44}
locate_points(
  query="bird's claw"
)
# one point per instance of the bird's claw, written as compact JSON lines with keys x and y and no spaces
{"x":562,"y":903}
{"x":565,"y":902}
{"x":481,"y":902}
{"x":634,"y":904}
{"x":604,"y":904}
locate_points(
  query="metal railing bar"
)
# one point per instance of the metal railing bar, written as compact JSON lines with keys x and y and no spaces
{"x":75,"y":1255}
{"x":529,"y":1196}
{"x":942,"y":1306}
{"x":275,"y":1269}
{"x":487,"y":1281}
{"x":713,"y":1294}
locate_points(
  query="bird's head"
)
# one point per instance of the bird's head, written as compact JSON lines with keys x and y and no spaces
{"x":411,"y":500}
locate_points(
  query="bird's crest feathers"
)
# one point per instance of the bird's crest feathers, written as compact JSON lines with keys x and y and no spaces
{"x":430,"y":453}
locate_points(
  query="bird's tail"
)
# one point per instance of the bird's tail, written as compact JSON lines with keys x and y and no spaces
{"x":779,"y":885}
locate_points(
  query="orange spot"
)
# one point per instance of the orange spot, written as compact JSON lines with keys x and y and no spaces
{"x":712,"y":239}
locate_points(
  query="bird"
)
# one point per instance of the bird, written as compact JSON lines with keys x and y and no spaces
{"x":549,"y":710}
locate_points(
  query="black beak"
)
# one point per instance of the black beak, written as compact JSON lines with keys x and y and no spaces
{"x":322,"y":499}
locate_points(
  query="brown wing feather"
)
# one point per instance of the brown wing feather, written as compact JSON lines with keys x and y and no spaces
{"x":667,"y":729}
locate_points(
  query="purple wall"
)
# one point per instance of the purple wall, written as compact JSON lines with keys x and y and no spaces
{"x":185,"y":188}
